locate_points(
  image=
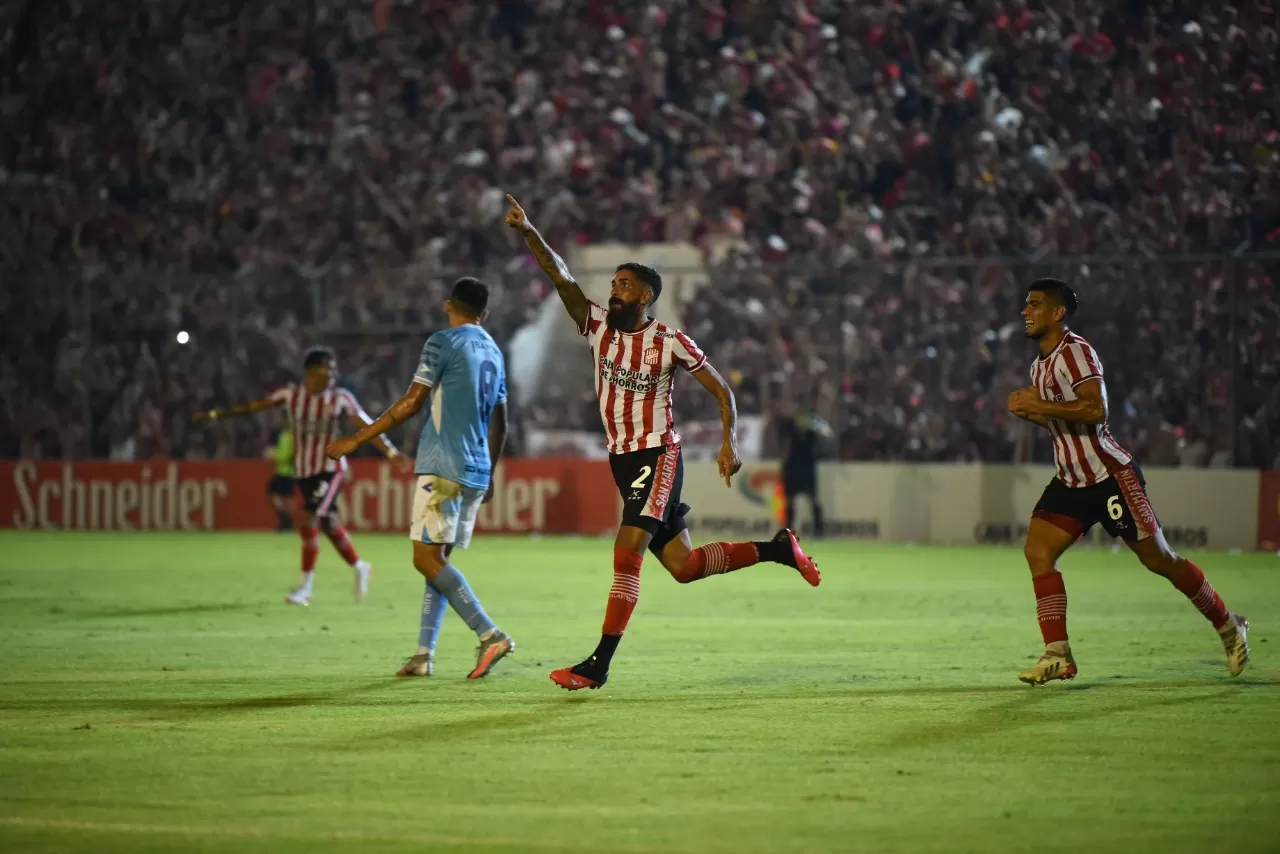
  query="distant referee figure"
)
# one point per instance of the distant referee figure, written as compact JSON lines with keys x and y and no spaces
{"x":799,"y":433}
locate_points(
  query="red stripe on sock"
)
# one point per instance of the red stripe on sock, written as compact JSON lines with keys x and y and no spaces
{"x":310,"y":548}
{"x":717,"y":558}
{"x":625,"y":591}
{"x":1190,"y":581}
{"x":342,"y":542}
{"x":1051,"y":606}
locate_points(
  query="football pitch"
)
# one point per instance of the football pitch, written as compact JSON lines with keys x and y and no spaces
{"x":157,"y":695}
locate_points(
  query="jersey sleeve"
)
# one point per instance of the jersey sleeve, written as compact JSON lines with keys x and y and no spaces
{"x":595,"y":319}
{"x":281,"y":396}
{"x":502,"y":384}
{"x":435,"y":356}
{"x":350,"y":405}
{"x":687,"y":354}
{"x":1082,"y":363}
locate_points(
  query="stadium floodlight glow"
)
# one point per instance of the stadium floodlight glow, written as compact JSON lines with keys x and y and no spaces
{"x":183,"y":337}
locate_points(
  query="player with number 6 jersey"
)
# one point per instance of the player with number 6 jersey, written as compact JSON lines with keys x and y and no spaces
{"x":637,"y":363}
{"x":1096,"y":482}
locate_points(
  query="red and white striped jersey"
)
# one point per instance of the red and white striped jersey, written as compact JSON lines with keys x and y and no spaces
{"x":1085,"y":454}
{"x":316,"y":420}
{"x":635,"y":373}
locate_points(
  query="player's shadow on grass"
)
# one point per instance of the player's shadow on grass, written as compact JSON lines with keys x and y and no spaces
{"x":467,"y":728}
{"x":1019,"y":713}
{"x":172,"y":611}
{"x":183,"y":709}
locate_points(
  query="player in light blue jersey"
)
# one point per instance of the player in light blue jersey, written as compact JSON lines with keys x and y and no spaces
{"x":463,"y":375}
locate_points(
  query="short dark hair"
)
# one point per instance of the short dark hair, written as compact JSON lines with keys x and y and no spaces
{"x":471,"y":295}
{"x":646,"y":274}
{"x":318,"y":356}
{"x":1063,"y":293}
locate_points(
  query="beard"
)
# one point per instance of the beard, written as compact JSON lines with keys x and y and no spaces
{"x":623,"y":316}
{"x":1035,"y":333}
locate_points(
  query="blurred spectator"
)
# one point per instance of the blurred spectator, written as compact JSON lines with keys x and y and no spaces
{"x":262,"y":175}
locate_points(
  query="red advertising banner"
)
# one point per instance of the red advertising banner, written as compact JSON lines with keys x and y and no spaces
{"x":1269,"y":511}
{"x":530,"y":496}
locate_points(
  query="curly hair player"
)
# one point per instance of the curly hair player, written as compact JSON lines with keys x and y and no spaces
{"x":635,"y":365}
{"x":1097,"y":482}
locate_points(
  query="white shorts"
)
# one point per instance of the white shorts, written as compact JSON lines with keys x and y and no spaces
{"x":444,"y":512}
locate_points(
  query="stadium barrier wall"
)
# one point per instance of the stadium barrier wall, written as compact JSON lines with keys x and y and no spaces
{"x":957,"y":504}
{"x":946,"y":504}
{"x":530,"y":496}
{"x":1269,"y":511}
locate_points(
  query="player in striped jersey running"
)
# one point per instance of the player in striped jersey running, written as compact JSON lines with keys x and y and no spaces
{"x":1097,"y":481}
{"x":316,"y":408}
{"x":636,"y":360}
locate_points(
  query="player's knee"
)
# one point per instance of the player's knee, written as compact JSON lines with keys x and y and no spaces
{"x":429,"y":560}
{"x":1039,"y":558}
{"x":675,"y":559}
{"x":627,"y":560}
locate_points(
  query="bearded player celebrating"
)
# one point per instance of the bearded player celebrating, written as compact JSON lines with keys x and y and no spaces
{"x":1097,"y":482}
{"x":636,"y":359}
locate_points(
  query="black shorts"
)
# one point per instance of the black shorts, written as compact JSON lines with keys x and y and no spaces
{"x":281,"y":485}
{"x":649,"y":483}
{"x":320,"y":492}
{"x":1119,"y":504}
{"x":803,"y":481}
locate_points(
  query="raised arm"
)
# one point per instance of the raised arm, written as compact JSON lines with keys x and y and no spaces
{"x":552,"y":264}
{"x":239,"y":409}
{"x":402,"y":410}
{"x":728,"y":458}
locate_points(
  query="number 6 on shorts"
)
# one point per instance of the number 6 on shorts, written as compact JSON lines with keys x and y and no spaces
{"x":1114,"y":508}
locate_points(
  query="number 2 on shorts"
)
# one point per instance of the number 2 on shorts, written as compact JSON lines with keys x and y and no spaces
{"x":645,"y":471}
{"x":1114,"y":508}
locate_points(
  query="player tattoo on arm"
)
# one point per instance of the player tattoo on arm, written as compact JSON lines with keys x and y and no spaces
{"x":1090,"y":406}
{"x":552,"y":264}
{"x":239,"y":409}
{"x":728,"y":458}
{"x":402,"y":410}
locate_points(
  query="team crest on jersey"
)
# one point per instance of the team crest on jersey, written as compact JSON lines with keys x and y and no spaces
{"x":652,"y":356}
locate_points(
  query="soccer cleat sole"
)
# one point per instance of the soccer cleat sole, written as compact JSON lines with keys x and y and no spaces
{"x":301,"y":603}
{"x":804,"y":564}
{"x":492,"y":656}
{"x":1068,"y":672}
{"x":571,"y":681}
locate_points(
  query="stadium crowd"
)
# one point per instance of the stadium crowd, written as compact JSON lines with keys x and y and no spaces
{"x":266,"y":175}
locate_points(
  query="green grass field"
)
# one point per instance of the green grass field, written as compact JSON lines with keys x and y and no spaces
{"x":157,"y":695}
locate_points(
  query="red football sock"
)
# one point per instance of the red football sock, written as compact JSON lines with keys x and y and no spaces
{"x":1051,"y":606}
{"x":717,"y":558}
{"x":338,"y":536}
{"x":1190,"y":581}
{"x":625,"y":591}
{"x":310,"y":549}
